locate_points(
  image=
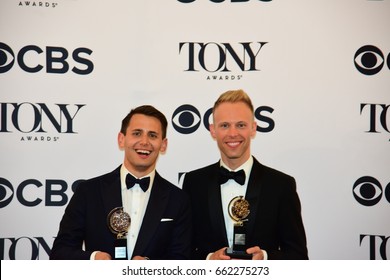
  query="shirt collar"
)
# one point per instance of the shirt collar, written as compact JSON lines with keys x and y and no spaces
{"x":246,"y":166}
{"x":124,"y":173}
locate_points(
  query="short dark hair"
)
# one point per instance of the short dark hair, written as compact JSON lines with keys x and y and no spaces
{"x":146,"y":110}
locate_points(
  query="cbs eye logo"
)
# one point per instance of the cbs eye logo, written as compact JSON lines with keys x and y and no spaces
{"x":369,"y":60}
{"x":368,"y":191}
{"x":186,"y":119}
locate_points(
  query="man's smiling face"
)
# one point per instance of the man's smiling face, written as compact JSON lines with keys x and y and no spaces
{"x":142,"y":144}
{"x":233,"y":129}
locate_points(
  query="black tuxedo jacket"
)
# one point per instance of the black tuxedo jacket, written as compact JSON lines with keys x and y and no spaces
{"x":275,"y":222}
{"x":165,"y":232}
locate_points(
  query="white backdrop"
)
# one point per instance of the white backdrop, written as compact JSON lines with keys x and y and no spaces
{"x":70,"y":70}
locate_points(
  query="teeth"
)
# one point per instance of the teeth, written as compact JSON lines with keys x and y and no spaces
{"x":233,"y":144}
{"x":143,"y":152}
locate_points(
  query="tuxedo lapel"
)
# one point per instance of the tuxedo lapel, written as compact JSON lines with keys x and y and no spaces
{"x":253,"y":193}
{"x":215,"y":204}
{"x":111,"y":190}
{"x":157,"y":204}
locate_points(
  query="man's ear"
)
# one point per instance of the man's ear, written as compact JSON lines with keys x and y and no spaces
{"x":164,"y":145}
{"x":254,"y":130}
{"x":212,"y":130}
{"x":121,"y":140}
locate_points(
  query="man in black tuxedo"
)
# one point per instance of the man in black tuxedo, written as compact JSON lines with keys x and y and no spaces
{"x":274,"y":227}
{"x":159,"y":211}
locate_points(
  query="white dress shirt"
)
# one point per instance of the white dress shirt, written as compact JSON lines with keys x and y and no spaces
{"x":230,"y":190}
{"x":134,"y":201}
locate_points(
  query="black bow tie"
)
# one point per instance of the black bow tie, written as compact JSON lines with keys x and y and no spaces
{"x":143,"y":183}
{"x":225,"y":175}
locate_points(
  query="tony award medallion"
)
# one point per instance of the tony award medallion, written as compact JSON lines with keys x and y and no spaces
{"x":238,"y":211}
{"x":119,"y":222}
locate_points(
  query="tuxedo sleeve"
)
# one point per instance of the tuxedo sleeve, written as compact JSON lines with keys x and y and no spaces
{"x":69,"y":241}
{"x":290,"y":226}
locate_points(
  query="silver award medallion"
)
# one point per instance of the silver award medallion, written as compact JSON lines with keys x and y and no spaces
{"x":119,"y":222}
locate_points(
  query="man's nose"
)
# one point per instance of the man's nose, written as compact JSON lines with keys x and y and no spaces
{"x":233,"y":131}
{"x":144,"y":140}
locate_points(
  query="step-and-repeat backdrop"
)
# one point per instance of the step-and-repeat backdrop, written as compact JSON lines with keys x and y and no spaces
{"x":318,"y":73}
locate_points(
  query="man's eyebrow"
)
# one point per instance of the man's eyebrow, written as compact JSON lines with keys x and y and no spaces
{"x":143,"y":130}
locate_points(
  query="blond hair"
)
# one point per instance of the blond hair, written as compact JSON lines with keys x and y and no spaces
{"x":234,"y":96}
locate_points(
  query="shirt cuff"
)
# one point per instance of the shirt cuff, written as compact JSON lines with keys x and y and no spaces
{"x":265,"y":255}
{"x":92,"y":258}
{"x":209,"y":256}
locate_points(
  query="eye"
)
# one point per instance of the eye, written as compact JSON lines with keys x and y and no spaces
{"x":241,"y":125}
{"x":186,"y":119}
{"x":367,"y":191}
{"x":153,"y":135}
{"x":224,"y":125}
{"x":6,"y":192}
{"x":369,"y":60}
{"x":7,"y":58}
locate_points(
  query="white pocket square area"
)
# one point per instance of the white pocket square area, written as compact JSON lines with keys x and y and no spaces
{"x":166,"y":220}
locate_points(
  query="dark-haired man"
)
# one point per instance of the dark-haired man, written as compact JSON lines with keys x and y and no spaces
{"x":133,"y":201}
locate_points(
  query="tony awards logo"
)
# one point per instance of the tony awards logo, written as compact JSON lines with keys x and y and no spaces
{"x":119,"y":223}
{"x":238,"y":209}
